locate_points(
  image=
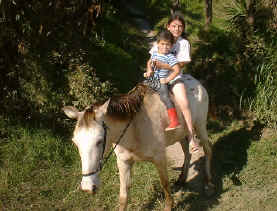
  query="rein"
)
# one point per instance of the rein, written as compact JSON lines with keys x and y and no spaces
{"x":104,"y":160}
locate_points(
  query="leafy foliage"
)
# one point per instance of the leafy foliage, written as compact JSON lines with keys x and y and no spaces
{"x":264,"y":105}
{"x":236,"y":13}
{"x":230,"y":60}
{"x":257,"y":55}
{"x":86,"y":87}
{"x":63,"y":52}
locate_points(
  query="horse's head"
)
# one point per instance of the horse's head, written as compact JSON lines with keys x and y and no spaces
{"x":89,"y":136}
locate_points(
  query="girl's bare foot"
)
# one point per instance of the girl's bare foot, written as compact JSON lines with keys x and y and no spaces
{"x":194,"y":145}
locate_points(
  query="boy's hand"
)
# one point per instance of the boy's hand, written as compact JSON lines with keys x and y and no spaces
{"x":147,"y":74}
{"x":153,"y":64}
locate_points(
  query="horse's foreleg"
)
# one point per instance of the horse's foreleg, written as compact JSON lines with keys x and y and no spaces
{"x":187,"y":156}
{"x":125,"y":182}
{"x":162,"y":169}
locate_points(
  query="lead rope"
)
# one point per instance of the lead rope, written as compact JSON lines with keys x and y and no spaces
{"x":118,"y":141}
{"x":154,"y":80}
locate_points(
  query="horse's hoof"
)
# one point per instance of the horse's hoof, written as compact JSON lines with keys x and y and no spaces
{"x":209,"y":189}
{"x":167,"y":209}
{"x":168,"y":205}
{"x":180,"y":182}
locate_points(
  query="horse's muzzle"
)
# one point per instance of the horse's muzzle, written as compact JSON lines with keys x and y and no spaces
{"x":93,"y":190}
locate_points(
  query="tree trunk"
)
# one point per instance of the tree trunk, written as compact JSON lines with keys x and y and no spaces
{"x":251,"y":12}
{"x":176,"y":5}
{"x":208,"y":11}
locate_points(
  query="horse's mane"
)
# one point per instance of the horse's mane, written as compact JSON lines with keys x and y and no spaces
{"x":121,"y":106}
{"x":126,"y":105}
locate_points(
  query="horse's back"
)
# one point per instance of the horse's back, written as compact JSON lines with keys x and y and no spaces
{"x":198,"y":99}
{"x":196,"y":92}
{"x":154,"y":119}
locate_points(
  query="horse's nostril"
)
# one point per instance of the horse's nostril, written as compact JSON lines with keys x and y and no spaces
{"x":92,"y":190}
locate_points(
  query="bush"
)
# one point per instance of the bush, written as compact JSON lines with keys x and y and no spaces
{"x":86,"y":88}
{"x":264,"y":104}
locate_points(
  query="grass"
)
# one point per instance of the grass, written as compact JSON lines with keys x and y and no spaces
{"x":40,"y":170}
{"x":247,"y":166}
{"x":263,"y":105}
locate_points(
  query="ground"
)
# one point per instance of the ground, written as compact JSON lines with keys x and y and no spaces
{"x":195,"y":174}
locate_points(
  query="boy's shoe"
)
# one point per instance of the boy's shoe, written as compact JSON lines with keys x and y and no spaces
{"x":173,"y":127}
{"x":174,"y":123}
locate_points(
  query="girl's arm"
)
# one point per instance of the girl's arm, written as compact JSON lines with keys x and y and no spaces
{"x":161,"y":65}
{"x":182,"y":64}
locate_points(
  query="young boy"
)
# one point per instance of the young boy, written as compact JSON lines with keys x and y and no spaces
{"x":165,"y":41}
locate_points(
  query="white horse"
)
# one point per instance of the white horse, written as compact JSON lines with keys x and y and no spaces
{"x":136,"y":123}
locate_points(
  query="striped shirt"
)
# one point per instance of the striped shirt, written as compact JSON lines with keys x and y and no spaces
{"x":168,"y":59}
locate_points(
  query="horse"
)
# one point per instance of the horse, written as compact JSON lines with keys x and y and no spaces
{"x":134,"y":124}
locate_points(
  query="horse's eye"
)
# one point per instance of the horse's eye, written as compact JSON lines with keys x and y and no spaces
{"x":98,"y":143}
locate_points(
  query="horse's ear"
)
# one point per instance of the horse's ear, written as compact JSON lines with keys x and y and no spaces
{"x":71,"y":112}
{"x":102,"y":110}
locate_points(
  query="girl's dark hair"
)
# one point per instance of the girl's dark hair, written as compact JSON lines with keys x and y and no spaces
{"x":165,"y":35}
{"x":177,"y":16}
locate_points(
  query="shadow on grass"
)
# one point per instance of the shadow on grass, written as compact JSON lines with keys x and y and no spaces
{"x":229,"y":158}
{"x":157,"y":195}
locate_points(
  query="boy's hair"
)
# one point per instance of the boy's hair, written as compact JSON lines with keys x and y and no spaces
{"x":165,"y":35}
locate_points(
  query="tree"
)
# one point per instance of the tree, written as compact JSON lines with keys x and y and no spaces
{"x":208,"y":12}
{"x":176,"y":5}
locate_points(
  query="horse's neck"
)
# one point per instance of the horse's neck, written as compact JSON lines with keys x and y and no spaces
{"x":115,"y":128}
{"x":151,"y":114}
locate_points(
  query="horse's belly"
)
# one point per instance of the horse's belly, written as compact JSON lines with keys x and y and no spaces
{"x":173,"y":136}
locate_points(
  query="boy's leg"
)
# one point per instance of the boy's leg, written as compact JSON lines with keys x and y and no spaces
{"x":171,"y":110}
{"x":164,"y":95}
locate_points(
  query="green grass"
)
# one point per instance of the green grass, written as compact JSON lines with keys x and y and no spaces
{"x":41,"y":171}
{"x":264,"y":104}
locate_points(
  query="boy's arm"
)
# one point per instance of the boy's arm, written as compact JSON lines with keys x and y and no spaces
{"x":149,"y":69}
{"x":175,"y":71}
{"x":162,"y":65}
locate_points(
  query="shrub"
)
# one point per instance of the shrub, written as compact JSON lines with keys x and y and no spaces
{"x":264,"y":104}
{"x":85,"y":88}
